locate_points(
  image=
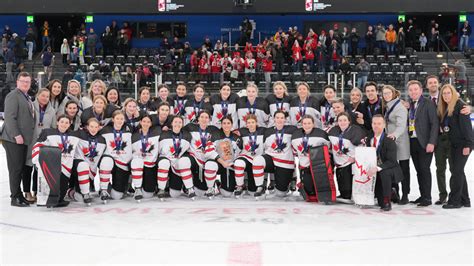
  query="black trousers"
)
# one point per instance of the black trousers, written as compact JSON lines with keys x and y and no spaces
{"x":405,"y":166}
{"x":16,"y":158}
{"x":283,"y":176}
{"x":227,"y":178}
{"x":344,"y":181}
{"x":26,"y":179}
{"x":459,"y":193}
{"x":383,"y":186}
{"x":422,"y":161}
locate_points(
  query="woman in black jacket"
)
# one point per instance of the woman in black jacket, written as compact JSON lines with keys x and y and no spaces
{"x":461,"y":136}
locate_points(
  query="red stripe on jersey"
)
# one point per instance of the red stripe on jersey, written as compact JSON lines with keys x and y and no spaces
{"x":239,"y":168}
{"x":166,"y":171}
{"x":283,"y":161}
{"x":239,"y":175}
{"x":210,"y":178}
{"x":83,"y":182}
{"x":149,"y":163}
{"x":121,"y":163}
{"x":164,"y":179}
{"x":38,"y":145}
{"x":246,"y":156}
{"x":258,"y":175}
{"x":209,"y":150}
{"x":136,"y":176}
{"x":104,"y":179}
{"x":83,"y":173}
{"x":210,"y":171}
{"x":103,"y":172}
{"x":65,"y":167}
{"x":137,"y":169}
{"x":257,"y":167}
{"x":34,"y":154}
{"x":186,"y":177}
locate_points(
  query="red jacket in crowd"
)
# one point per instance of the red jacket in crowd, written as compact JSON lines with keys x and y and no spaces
{"x":216,"y":66}
{"x":297,"y":52}
{"x":267,"y":65}
{"x":203,"y":66}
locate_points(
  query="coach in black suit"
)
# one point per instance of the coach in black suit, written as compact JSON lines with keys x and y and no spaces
{"x":423,"y":128}
{"x":388,"y":170}
{"x":18,"y":134}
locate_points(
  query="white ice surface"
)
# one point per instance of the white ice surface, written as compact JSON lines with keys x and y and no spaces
{"x":235,"y":232}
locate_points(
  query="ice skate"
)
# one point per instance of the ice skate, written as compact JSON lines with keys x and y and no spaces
{"x":238,"y":191}
{"x":260,"y":193}
{"x":210,"y":193}
{"x":190,"y":193}
{"x":104,"y":196}
{"x":87,"y":199}
{"x":161,"y":195}
{"x":138,"y":194}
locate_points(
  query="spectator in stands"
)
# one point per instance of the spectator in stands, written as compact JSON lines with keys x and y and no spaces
{"x":322,"y":38}
{"x":17,"y":44}
{"x":128,"y":31}
{"x":74,"y":48}
{"x":218,"y":46}
{"x":7,"y":32}
{"x":401,"y":41}
{"x":48,"y":62}
{"x":216,"y":67}
{"x":297,"y":57}
{"x":116,"y":78}
{"x":278,"y":57}
{"x":129,"y":77}
{"x":308,"y":48}
{"x":267,"y":66}
{"x":344,"y":37}
{"x":177,"y":48}
{"x":329,"y":40}
{"x":246,"y":30}
{"x":250,"y":66}
{"x":81,"y":50}
{"x":225,"y":48}
{"x":30,"y":42}
{"x":321,"y":57}
{"x":68,"y":75}
{"x":107,"y":40}
{"x":91,"y":42}
{"x":207,"y":43}
{"x":363,"y":69}
{"x":123,"y":43}
{"x":164,"y":46}
{"x":334,"y":56}
{"x":369,"y":41}
{"x":461,"y":78}
{"x":465,"y":34}
{"x":345,"y":69}
{"x":10,"y":59}
{"x":423,"y":41}
{"x":65,"y":51}
{"x":434,"y":35}
{"x":354,"y":40}
{"x":410,"y":34}
{"x":194,"y":61}
{"x":45,"y":35}
{"x":380,"y":36}
{"x":203,"y":67}
{"x":391,"y":38}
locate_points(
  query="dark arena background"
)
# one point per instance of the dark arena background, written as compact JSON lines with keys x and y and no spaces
{"x":130,"y":45}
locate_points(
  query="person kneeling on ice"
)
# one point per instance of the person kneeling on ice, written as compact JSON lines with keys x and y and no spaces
{"x":278,"y":157}
{"x":203,"y":157}
{"x":302,"y":141}
{"x":117,"y":156}
{"x":67,"y":143}
{"x":90,"y":149}
{"x":388,"y":170}
{"x":145,"y":153}
{"x":174,"y":146}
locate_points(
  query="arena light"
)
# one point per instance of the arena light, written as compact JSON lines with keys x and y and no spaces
{"x":439,"y":55}
{"x":89,"y":19}
{"x":462,"y":18}
{"x":30,"y":19}
{"x":402,"y":17}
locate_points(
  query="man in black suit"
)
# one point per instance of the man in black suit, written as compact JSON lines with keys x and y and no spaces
{"x":18,"y":134}
{"x":388,"y":170}
{"x":423,"y":128}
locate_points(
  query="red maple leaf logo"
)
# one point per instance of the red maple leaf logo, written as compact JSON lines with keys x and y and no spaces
{"x":335,"y":147}
{"x":301,"y":147}
{"x":85,"y":151}
{"x":61,"y":147}
{"x":176,"y":110}
{"x":245,"y":116}
{"x":198,"y":144}
{"x":220,"y":116}
{"x":274,"y":145}
{"x":298,"y":116}
{"x":248,"y":147}
{"x":191,"y":116}
{"x":112,"y":144}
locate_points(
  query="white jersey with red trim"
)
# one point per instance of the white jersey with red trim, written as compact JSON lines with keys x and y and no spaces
{"x":67,"y":143}
{"x":252,"y":143}
{"x":192,"y":109}
{"x":258,"y":108}
{"x":302,"y":142}
{"x":222,"y":108}
{"x":174,"y":146}
{"x":118,"y":147}
{"x":276,"y":104}
{"x":198,"y":149}
{"x":90,"y":149}
{"x":299,"y":109}
{"x":328,"y":117}
{"x":146,"y":147}
{"x":278,"y":146}
{"x":179,"y":104}
{"x":343,"y":144}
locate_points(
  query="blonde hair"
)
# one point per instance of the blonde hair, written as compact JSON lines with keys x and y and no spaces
{"x":305,"y":85}
{"x":252,"y":85}
{"x":281,"y":83}
{"x":100,"y":97}
{"x":101,"y":84}
{"x":77,"y":83}
{"x":395,"y":94}
{"x":443,"y":106}
{"x":127,"y":101}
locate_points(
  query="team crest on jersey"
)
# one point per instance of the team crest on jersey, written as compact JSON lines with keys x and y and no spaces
{"x":114,"y":147}
{"x":278,"y":148}
{"x":298,"y":116}
{"x":336,"y":148}
{"x":68,"y":149}
{"x":220,"y":115}
{"x":192,"y":116}
{"x":302,"y":149}
{"x":198,"y":143}
{"x":248,"y":147}
{"x":149,"y":147}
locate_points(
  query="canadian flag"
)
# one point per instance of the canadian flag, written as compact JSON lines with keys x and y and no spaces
{"x":162,"y":5}
{"x":309,"y":5}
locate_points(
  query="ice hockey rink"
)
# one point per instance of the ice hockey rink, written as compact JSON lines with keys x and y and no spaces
{"x":235,"y":232}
